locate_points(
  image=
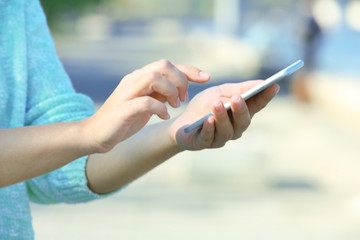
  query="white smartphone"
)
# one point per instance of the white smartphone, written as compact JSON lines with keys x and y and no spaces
{"x":253,"y":91}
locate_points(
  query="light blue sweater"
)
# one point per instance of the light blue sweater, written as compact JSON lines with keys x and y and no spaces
{"x":34,"y":89}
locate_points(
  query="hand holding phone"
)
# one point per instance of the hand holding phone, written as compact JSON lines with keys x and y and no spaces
{"x":255,"y":90}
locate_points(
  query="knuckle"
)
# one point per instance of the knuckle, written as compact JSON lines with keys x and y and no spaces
{"x":247,"y":122}
{"x":151,"y":106}
{"x":152,"y":75}
{"x":164,"y":63}
{"x":147,"y":103}
{"x":151,"y":79}
{"x":181,"y":78}
{"x":207,"y":139}
{"x":219,"y":144}
{"x":226,"y":136}
{"x":237,"y":135}
{"x":242,"y":127}
{"x":244,"y":110}
{"x":243,"y":122}
{"x":163,"y":108}
{"x":183,"y":81}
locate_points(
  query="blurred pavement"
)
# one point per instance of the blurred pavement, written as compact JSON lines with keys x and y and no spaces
{"x":293,"y":175}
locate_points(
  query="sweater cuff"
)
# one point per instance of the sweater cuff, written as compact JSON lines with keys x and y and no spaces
{"x":72,"y":184}
{"x":68,"y":185}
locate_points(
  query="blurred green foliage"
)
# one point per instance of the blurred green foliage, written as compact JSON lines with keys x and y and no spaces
{"x":54,"y":8}
{"x":59,"y":10}
{"x":128,"y":8}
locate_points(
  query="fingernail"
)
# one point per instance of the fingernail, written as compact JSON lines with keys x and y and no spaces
{"x":178,"y":103}
{"x":236,"y":99}
{"x":277,"y":91}
{"x":211,"y":120}
{"x":167,"y":116}
{"x":186,"y":98}
{"x":218,"y":106}
{"x":204,"y":75}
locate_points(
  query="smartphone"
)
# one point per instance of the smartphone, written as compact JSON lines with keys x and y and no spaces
{"x":253,"y":91}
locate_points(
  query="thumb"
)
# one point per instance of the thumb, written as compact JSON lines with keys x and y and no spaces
{"x":193,"y":74}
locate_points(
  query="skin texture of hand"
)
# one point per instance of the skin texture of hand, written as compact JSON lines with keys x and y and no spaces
{"x":221,"y":127}
{"x":159,"y":142}
{"x":140,"y":95}
{"x":28,"y":152}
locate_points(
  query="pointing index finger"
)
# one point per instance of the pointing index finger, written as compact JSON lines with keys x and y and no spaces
{"x":193,"y":74}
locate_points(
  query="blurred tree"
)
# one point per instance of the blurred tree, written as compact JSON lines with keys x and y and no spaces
{"x":160,"y":8}
{"x":54,"y":8}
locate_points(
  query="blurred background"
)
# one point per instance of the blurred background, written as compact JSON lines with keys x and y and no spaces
{"x":293,"y":175}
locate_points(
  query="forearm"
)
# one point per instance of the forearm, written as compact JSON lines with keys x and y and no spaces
{"x":130,"y":159}
{"x":28,"y":152}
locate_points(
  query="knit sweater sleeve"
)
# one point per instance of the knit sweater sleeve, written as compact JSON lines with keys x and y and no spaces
{"x":51,"y":98}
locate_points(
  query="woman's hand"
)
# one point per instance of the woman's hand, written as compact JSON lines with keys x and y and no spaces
{"x":219,"y":128}
{"x":139,"y":95}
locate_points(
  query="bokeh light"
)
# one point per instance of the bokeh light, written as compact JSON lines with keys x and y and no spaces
{"x":327,"y":13}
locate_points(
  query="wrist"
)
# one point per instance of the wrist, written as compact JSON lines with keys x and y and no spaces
{"x":86,"y":137}
{"x":172,"y":133}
